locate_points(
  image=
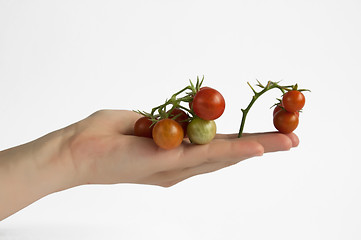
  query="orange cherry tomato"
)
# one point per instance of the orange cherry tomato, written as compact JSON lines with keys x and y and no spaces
{"x":168,"y":134}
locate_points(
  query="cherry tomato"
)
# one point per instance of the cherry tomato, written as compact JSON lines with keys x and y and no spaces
{"x":293,"y":101}
{"x":182,"y":119}
{"x":279,"y":108}
{"x":167,"y":133}
{"x":201,"y":131}
{"x":208,"y":104}
{"x":191,"y":103}
{"x":285,"y":122}
{"x":143,"y":128}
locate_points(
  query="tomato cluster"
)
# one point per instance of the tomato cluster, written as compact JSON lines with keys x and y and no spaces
{"x":286,"y":113}
{"x":168,"y":127}
{"x":193,"y":115}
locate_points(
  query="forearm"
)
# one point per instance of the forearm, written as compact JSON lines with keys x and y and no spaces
{"x":31,"y":171}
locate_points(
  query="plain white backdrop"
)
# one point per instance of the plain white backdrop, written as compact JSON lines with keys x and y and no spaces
{"x":62,"y":60}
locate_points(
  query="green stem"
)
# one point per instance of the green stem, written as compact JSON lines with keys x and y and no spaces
{"x":172,"y":100}
{"x":175,"y":102}
{"x":270,"y":85}
{"x":177,"y":93}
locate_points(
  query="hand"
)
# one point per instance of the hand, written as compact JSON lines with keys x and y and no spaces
{"x":103,"y":151}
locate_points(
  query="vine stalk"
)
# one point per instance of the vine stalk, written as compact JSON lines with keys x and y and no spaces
{"x":270,"y":85}
{"x":161,"y":111}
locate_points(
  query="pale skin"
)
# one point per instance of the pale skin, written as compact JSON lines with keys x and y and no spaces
{"x":101,"y":149}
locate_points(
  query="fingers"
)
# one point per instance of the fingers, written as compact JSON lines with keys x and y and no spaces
{"x":226,"y":149}
{"x":167,"y":167}
{"x":294,"y":139}
{"x":220,"y":150}
{"x":190,"y":155}
{"x":270,"y":142}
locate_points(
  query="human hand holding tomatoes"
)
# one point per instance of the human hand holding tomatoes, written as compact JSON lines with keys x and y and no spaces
{"x":105,"y":150}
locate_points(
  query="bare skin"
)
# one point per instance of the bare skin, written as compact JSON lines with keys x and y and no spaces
{"x":102,"y":150}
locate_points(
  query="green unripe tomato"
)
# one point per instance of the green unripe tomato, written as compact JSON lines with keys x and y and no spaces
{"x":201,"y":131}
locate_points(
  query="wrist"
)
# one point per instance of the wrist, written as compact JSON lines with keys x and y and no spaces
{"x":51,"y":158}
{"x":33,"y":170}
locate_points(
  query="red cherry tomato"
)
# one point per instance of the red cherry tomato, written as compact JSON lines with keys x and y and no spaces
{"x":167,"y":133}
{"x":293,"y":101}
{"x":143,"y":128}
{"x":285,"y":122}
{"x":191,"y":103}
{"x":208,"y":104}
{"x":182,"y":119}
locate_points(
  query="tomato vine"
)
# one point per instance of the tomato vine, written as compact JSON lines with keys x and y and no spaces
{"x":270,"y":85}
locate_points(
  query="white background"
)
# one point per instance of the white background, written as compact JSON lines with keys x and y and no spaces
{"x":62,"y":60}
